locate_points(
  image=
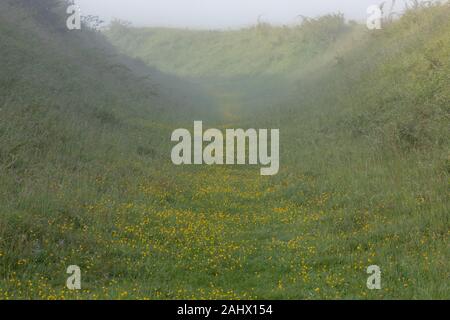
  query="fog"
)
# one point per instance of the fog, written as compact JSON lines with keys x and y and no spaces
{"x":219,"y":13}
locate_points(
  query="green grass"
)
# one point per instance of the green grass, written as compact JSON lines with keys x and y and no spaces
{"x":86,"y":177}
{"x":268,"y":50}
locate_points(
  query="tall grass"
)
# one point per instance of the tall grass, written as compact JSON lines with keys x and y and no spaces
{"x":86,"y":177}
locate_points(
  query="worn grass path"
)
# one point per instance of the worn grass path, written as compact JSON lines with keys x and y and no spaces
{"x":226,"y":232}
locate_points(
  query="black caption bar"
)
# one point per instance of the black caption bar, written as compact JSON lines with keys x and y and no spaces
{"x":214,"y":309}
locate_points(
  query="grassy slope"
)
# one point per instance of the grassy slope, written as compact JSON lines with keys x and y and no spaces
{"x":73,"y":112}
{"x":240,"y":67}
{"x":364,"y":171}
{"x":269,"y":50}
{"x":366,"y":157}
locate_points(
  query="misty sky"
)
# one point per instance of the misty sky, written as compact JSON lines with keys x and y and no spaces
{"x":219,"y":13}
